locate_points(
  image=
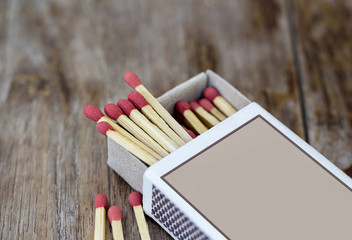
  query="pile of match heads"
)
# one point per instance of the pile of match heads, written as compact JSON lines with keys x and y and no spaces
{"x":145,"y":128}
{"x":115,"y":217}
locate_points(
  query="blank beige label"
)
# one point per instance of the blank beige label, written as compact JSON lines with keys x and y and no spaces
{"x":257,"y":184}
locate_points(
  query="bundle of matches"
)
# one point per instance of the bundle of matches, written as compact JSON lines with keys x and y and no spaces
{"x":133,"y":80}
{"x":201,"y":115}
{"x":108,"y":128}
{"x":213,"y":95}
{"x":191,"y":119}
{"x":153,"y":131}
{"x":149,"y":132}
{"x":145,"y":128}
{"x":208,"y":106}
{"x":139,"y":101}
{"x":208,"y":119}
{"x":115,"y":113}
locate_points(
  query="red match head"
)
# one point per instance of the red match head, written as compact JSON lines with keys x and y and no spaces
{"x":182,"y":106}
{"x":103,"y":127}
{"x":92,"y":112}
{"x":137,"y":99}
{"x":206,"y":104}
{"x":179,"y":117}
{"x":210,"y":93}
{"x":135,"y":199}
{"x":132,"y":79}
{"x":114,"y":213}
{"x":101,"y":201}
{"x":191,"y":133}
{"x":126,"y":106}
{"x":194,"y":105}
{"x":113,"y":111}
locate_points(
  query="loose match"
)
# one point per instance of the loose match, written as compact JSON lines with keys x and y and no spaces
{"x":115,"y":217}
{"x":101,"y":203}
{"x":135,"y":200}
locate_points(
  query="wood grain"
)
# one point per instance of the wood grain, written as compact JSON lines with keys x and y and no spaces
{"x":324,"y":40}
{"x":58,"y":56}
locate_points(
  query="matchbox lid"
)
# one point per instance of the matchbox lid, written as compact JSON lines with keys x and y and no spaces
{"x":249,"y":177}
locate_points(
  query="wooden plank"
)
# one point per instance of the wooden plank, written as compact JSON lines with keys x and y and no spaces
{"x":324,"y":40}
{"x":64,"y":55}
{"x":3,"y":40}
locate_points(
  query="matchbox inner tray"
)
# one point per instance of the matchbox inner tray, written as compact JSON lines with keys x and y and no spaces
{"x":248,"y":177}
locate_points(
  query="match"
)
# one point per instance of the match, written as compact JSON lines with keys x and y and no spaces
{"x":133,"y":80}
{"x":182,"y":121}
{"x":106,"y":129}
{"x":101,"y":203}
{"x":135,"y":200}
{"x":93,"y":113}
{"x":213,"y":96}
{"x":208,"y":106}
{"x":139,"y":101}
{"x":208,"y":119}
{"x":153,"y":131}
{"x":115,"y":216}
{"x":115,"y":113}
{"x":191,"y":133}
{"x":183,"y":108}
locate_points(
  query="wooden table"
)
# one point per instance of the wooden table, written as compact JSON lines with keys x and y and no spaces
{"x":292,"y":57}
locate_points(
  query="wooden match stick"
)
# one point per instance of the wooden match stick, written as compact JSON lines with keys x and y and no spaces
{"x":184,"y":108}
{"x":115,"y":113}
{"x":153,"y":131}
{"x":190,"y":132}
{"x":93,"y":113}
{"x":208,"y":119}
{"x":106,"y":129}
{"x":208,"y":106}
{"x":139,"y":101}
{"x":133,"y":80}
{"x":213,"y":96}
{"x":135,"y":200}
{"x":115,"y":216}
{"x":181,"y":120}
{"x":101,"y":203}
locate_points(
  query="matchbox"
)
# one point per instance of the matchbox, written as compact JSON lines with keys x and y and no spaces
{"x":248,"y":177}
